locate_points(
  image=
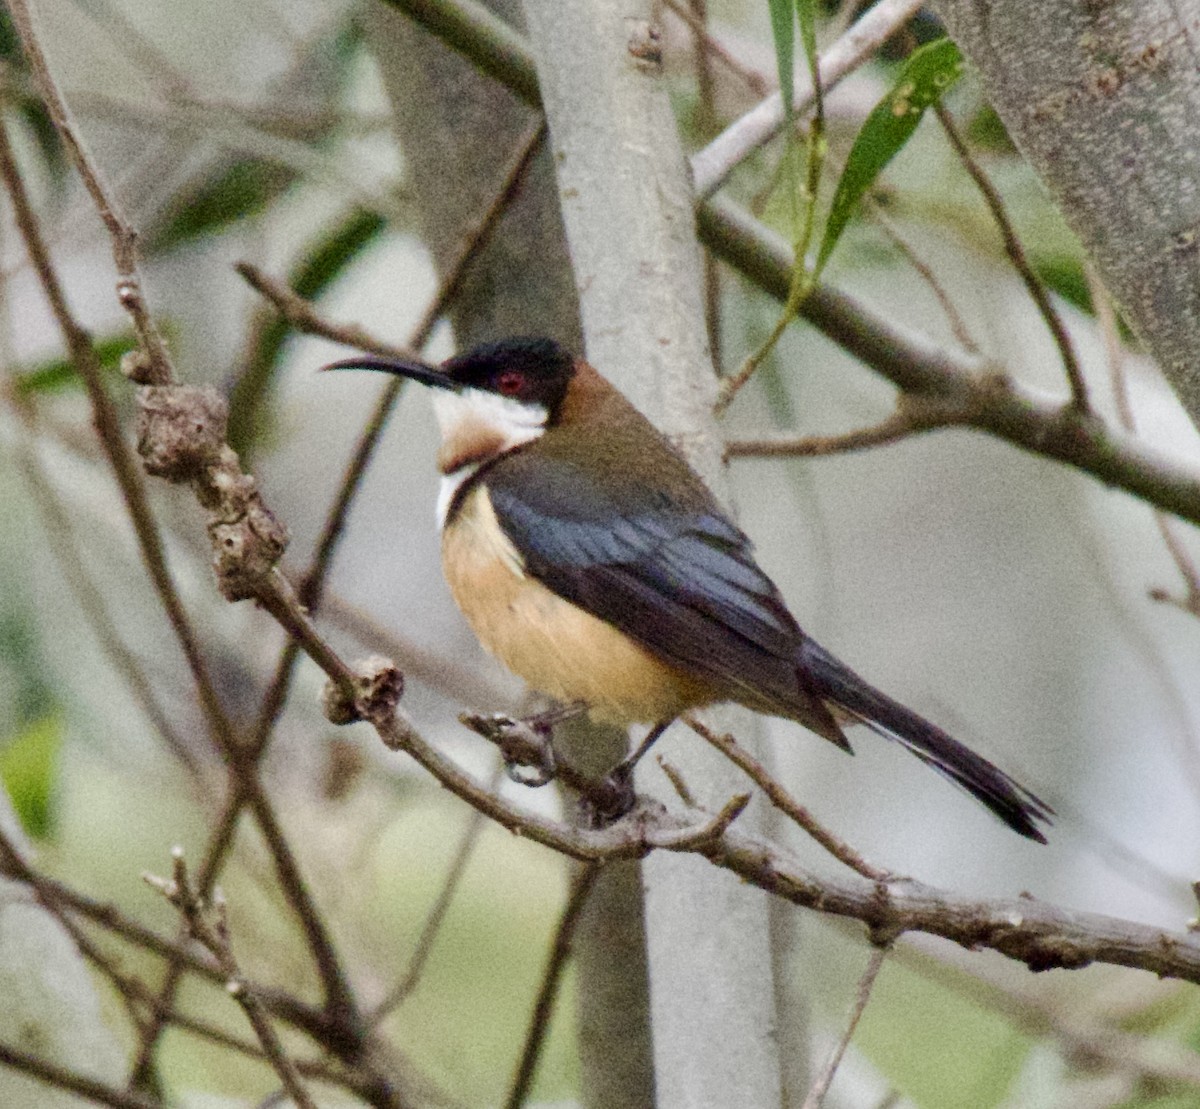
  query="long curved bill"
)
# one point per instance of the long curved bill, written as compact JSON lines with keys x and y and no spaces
{"x":401,"y":367}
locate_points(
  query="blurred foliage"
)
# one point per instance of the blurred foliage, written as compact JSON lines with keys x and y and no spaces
{"x":236,"y":188}
{"x":28,"y":107}
{"x":59,"y":374}
{"x":28,"y":769}
{"x":29,"y":750}
{"x":325,"y":260}
{"x":229,"y":193}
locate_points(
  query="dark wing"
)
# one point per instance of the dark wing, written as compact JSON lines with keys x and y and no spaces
{"x":679,"y":578}
{"x":675,"y":574}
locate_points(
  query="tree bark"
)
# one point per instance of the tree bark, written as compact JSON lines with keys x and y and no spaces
{"x":1103,"y":99}
{"x":628,"y":210}
{"x":457,"y":128}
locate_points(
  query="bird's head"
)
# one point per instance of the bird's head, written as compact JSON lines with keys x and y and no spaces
{"x":491,"y":398}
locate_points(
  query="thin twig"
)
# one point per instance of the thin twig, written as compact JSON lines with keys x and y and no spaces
{"x":461,"y":680}
{"x":901,"y":424}
{"x":785,"y":803}
{"x":213,"y":935}
{"x":1114,"y":353}
{"x":60,"y":1078}
{"x":339,"y":998}
{"x":139,"y":996}
{"x":304,"y":318}
{"x":56,"y":894}
{"x":712,"y":46}
{"x":435,"y":918}
{"x":108,"y":428}
{"x":820,"y":1088}
{"x":121,"y":232}
{"x":712,"y":166}
{"x":560,"y":951}
{"x":958,"y":325}
{"x":1016,"y":254}
{"x":919,"y":367}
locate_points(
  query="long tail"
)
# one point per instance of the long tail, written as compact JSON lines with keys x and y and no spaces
{"x":835,"y":682}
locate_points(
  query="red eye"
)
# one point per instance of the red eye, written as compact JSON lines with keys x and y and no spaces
{"x":509,"y":383}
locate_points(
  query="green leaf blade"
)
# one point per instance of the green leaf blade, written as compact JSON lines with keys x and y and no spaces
{"x":59,"y":374}
{"x":927,"y":74}
{"x":807,"y":16}
{"x":783,"y":31}
{"x":29,"y":772}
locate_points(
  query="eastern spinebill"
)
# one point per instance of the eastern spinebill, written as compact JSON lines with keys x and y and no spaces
{"x":594,"y":562}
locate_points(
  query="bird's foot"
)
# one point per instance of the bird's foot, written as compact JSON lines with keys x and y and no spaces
{"x":528,"y":753}
{"x":608,"y":799}
{"x":525,"y":745}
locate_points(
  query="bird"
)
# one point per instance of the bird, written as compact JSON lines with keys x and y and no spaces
{"x":594,"y":562}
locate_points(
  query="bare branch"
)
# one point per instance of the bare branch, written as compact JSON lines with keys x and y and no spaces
{"x":304,"y":318}
{"x":208,"y":923}
{"x":816,"y":1096}
{"x":988,"y":401}
{"x":712,"y":46}
{"x":560,"y":951}
{"x":437,"y":916}
{"x":785,"y":803}
{"x":1114,"y":353}
{"x":905,"y":422}
{"x":121,"y":232}
{"x":1016,"y":254}
{"x":958,"y":326}
{"x":712,"y":166}
{"x":63,"y":1079}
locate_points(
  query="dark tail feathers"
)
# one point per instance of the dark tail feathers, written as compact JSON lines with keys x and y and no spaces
{"x":838,"y":684}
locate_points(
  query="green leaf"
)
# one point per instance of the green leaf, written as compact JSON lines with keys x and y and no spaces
{"x":807,"y":15}
{"x":59,"y":374}
{"x":231,"y":192}
{"x":28,"y":769}
{"x":783,"y":30}
{"x":29,"y":107}
{"x":928,"y":73}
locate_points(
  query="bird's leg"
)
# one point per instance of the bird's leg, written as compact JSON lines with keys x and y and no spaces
{"x":525,"y":743}
{"x":614,"y":795}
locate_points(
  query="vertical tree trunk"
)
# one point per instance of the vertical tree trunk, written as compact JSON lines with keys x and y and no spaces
{"x":628,"y":211}
{"x":458,"y":128}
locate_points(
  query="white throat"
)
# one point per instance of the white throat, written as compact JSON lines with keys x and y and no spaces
{"x":477,"y":426}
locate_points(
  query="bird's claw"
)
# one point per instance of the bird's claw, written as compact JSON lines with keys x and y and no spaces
{"x":524,"y":745}
{"x":609,"y":798}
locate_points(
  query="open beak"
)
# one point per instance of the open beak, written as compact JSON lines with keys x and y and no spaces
{"x":402,"y":367}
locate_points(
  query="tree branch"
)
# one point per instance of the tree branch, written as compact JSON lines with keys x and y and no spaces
{"x":543,"y":1008}
{"x":816,"y":1096}
{"x":1016,"y":254}
{"x":712,"y":166}
{"x":995,"y":405}
{"x":213,"y":935}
